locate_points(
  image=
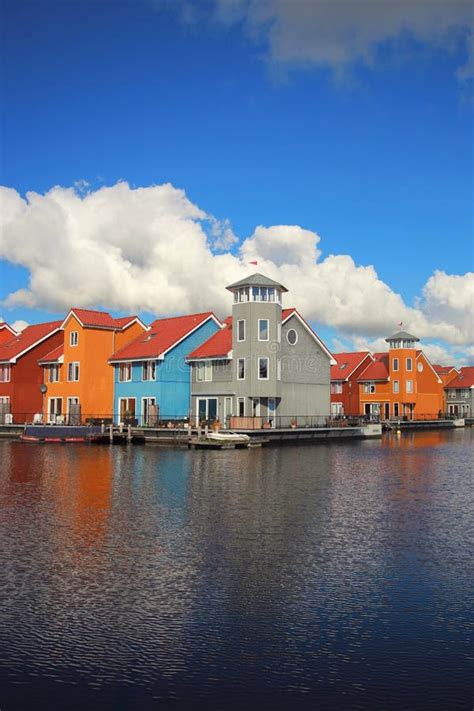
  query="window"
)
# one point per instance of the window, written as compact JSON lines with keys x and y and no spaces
{"x":73,"y":338}
{"x":368,"y":387}
{"x":336,"y":388}
{"x":396,"y":386}
{"x":263,"y":368}
{"x":395,"y":409}
{"x":263,"y":329}
{"x":292,"y":337}
{"x":409,"y":364}
{"x":125,"y":372}
{"x":5,"y":373}
{"x":409,"y":386}
{"x":127,"y":409}
{"x":395,"y":363}
{"x":241,"y":330}
{"x":73,"y":372}
{"x":54,"y":373}
{"x":149,"y":370}
{"x":204,"y":371}
{"x":149,"y":412}
{"x":241,"y":369}
{"x":241,"y":406}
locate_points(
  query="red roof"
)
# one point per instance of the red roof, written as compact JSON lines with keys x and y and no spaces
{"x":443,"y":369}
{"x":28,"y":338}
{"x":346,"y":364}
{"x":377,"y":370}
{"x":100,"y":319}
{"x":163,"y":334}
{"x":53,"y":356}
{"x":218,"y":345}
{"x":465,"y":379}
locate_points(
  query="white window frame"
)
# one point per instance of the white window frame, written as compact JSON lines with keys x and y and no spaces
{"x":74,"y":338}
{"x":239,"y":361}
{"x":263,"y":320}
{"x":409,"y":386}
{"x":396,"y":405}
{"x":125,"y":372}
{"x":72,"y":399}
{"x":204,"y":371}
{"x":127,"y":399}
{"x":5,"y":373}
{"x":292,"y":330}
{"x":369,"y":388}
{"x":241,"y":320}
{"x":73,"y":368}
{"x":409,"y":361}
{"x":239,"y":401}
{"x":259,"y":360}
{"x":396,"y":386}
{"x":53,"y":368}
{"x":336,"y":388}
{"x":395,"y":364}
{"x":148,"y":365}
{"x":150,"y":401}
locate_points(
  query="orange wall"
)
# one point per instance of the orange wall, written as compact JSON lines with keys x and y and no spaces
{"x":95,"y":386}
{"x":428,"y":393}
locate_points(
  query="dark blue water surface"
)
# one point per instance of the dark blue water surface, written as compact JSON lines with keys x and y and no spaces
{"x":315,"y":577}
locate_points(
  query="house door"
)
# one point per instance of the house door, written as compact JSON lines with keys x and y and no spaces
{"x":387,"y":410}
{"x":73,"y":411}
{"x":227,"y":410}
{"x":55,"y":407}
{"x":126,"y":409}
{"x":149,"y":412}
{"x":207,"y":409}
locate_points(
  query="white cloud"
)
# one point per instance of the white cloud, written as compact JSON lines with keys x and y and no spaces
{"x":339,"y":33}
{"x":151,"y":249}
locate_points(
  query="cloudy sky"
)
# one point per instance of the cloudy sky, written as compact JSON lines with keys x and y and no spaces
{"x":151,"y":149}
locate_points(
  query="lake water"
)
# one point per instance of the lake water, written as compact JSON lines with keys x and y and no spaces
{"x":313,"y":577}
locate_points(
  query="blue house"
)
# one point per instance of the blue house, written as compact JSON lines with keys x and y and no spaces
{"x":152,"y":381}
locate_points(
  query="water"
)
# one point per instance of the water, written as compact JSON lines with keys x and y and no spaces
{"x":321,"y":576}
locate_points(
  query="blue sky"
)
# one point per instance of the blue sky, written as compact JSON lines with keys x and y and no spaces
{"x":374,"y":155}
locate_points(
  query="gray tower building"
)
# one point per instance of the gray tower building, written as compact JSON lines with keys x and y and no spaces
{"x":266,"y":366}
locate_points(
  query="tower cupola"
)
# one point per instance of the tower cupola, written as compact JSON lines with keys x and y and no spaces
{"x":401,"y":339}
{"x":257,"y":288}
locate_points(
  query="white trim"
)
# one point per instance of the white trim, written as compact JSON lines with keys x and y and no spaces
{"x":245,"y":368}
{"x":4,"y":324}
{"x":135,"y":319}
{"x":263,"y":340}
{"x":74,"y":380}
{"x":312,"y":334}
{"x":239,"y":321}
{"x":292,"y":330}
{"x":260,"y":358}
{"x":196,"y":359}
{"x":148,"y":380}
{"x":133,"y":360}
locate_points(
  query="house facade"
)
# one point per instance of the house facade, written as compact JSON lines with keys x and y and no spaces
{"x":401,"y":383}
{"x":151,"y":375}
{"x":460,"y":394}
{"x":78,"y":379}
{"x":344,"y":386}
{"x":265,"y":367}
{"x":21,"y":377}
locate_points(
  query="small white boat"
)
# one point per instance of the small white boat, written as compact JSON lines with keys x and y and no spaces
{"x":233,"y":437}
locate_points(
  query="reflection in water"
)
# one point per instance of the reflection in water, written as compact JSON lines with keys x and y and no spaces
{"x":296,"y":577}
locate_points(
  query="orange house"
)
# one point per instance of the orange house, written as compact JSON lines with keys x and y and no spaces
{"x":401,"y":383}
{"x":78,"y":379}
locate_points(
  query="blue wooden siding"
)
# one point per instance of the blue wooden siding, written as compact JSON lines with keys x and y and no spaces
{"x":172,"y":387}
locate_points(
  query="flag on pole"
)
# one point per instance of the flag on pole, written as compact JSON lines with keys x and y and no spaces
{"x":254,"y":262}
{"x":400,"y":324}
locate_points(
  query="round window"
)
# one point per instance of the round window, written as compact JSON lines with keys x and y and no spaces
{"x":419,"y":367}
{"x":292,"y":337}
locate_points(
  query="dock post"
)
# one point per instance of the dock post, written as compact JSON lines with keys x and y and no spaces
{"x":111,"y":434}
{"x":129,"y":433}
